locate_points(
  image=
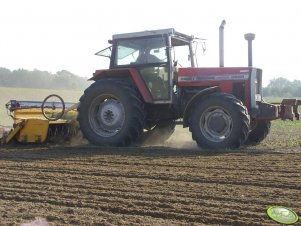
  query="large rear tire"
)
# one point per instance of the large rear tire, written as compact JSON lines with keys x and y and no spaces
{"x":261,"y":129}
{"x":219,"y":121}
{"x":111,"y":113}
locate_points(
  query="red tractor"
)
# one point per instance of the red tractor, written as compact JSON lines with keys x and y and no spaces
{"x":147,"y":88}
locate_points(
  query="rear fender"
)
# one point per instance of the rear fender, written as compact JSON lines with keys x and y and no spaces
{"x":125,"y":73}
{"x":195,"y":98}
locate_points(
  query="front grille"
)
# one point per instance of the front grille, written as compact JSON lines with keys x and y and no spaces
{"x":239,"y":90}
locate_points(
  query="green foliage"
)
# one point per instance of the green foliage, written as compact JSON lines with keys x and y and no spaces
{"x":62,"y":80}
{"x":284,"y":135}
{"x":281,"y":87}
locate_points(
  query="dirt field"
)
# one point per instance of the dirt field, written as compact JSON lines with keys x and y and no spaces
{"x":88,"y":185}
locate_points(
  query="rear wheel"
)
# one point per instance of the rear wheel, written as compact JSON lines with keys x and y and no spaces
{"x":261,"y":129}
{"x":219,"y":121}
{"x":111,"y":113}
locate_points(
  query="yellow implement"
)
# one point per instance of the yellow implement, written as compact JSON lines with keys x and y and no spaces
{"x":33,"y":131}
{"x":32,"y":126}
{"x":13,"y":133}
{"x":29,"y":131}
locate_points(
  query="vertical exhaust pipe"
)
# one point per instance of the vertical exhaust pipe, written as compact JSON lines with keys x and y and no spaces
{"x":221,"y":43}
{"x":250,"y":37}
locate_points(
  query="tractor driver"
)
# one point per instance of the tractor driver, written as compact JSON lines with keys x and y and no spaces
{"x":146,"y":57}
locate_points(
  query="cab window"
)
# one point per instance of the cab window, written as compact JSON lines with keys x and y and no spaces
{"x":141,"y":51}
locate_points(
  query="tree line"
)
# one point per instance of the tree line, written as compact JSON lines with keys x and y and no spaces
{"x":63,"y":80}
{"x":282,"y":87}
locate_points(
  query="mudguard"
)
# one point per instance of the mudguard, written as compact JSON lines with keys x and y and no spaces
{"x":198,"y":95}
{"x":124,"y":73}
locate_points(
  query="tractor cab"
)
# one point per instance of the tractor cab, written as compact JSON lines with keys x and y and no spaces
{"x":155,"y":54}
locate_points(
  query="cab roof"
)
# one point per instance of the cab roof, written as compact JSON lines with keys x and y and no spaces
{"x":169,"y":32}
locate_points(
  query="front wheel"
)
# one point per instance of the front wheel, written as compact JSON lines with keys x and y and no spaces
{"x":219,"y":121}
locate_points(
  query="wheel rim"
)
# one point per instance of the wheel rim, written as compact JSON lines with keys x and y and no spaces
{"x":216,"y":124}
{"x":106,"y":115}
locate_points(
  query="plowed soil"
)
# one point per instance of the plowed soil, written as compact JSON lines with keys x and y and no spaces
{"x":88,"y":185}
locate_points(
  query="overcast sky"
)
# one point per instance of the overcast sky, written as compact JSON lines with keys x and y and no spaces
{"x":53,"y":35}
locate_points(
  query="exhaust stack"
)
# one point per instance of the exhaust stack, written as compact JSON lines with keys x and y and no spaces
{"x":221,"y":43}
{"x":250,"y":37}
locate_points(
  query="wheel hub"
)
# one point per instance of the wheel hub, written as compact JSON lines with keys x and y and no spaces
{"x":216,"y":124}
{"x":107,"y":116}
{"x":110,"y":114}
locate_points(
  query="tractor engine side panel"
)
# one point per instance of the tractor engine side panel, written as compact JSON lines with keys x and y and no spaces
{"x":235,"y":81}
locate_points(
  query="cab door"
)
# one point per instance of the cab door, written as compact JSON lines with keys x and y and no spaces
{"x":150,"y":56}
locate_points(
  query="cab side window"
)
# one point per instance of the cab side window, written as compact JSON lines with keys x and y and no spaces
{"x":141,"y":51}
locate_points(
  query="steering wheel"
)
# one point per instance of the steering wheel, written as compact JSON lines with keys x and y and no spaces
{"x":53,"y":107}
